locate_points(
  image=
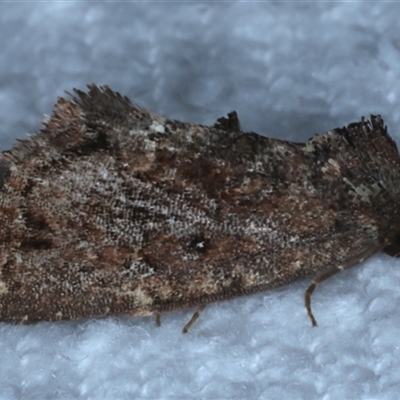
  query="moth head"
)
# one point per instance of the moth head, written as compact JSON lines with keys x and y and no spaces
{"x":393,"y":249}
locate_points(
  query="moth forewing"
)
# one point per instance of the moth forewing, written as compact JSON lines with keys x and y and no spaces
{"x":113,"y":210}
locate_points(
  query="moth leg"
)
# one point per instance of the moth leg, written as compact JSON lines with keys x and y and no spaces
{"x":316,"y":281}
{"x":158,"y":318}
{"x":196,"y":315}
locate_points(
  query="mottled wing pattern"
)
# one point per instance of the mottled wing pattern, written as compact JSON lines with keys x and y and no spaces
{"x":111,"y":210}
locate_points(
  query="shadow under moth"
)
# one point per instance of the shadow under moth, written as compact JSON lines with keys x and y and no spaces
{"x":112,"y":210}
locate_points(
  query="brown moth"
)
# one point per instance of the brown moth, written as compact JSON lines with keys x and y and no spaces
{"x":113,"y":210}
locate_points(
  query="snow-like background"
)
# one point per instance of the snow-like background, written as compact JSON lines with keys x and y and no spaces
{"x":290,"y":69}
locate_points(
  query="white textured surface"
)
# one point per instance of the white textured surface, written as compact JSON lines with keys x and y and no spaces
{"x":290,"y":70}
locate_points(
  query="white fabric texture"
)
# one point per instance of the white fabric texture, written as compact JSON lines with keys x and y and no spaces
{"x":290,"y":70}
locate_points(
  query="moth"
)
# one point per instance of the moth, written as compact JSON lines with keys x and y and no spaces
{"x":113,"y":210}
